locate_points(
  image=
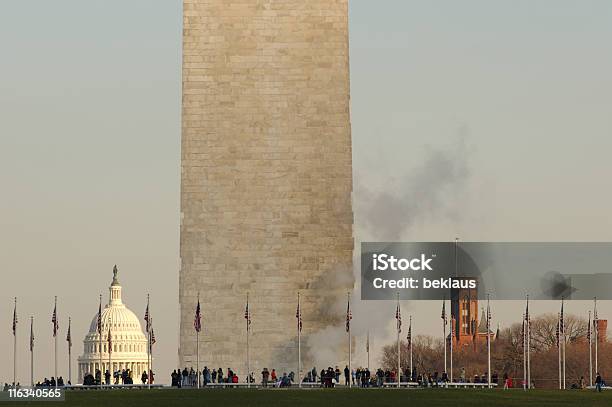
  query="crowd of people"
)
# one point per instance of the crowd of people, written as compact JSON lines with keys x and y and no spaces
{"x":124,"y":376}
{"x":326,"y":378}
{"x":189,"y":377}
{"x":330,"y":377}
{"x":44,"y":383}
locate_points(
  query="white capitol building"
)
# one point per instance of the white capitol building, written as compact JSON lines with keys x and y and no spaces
{"x":129,"y":344}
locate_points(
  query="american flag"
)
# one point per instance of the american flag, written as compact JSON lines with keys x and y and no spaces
{"x":561,"y":320}
{"x":368,"y":342}
{"x":523,"y":331}
{"x":409,"y":337}
{"x":488,"y":318}
{"x":589,"y":328}
{"x":197,"y":322}
{"x":595,"y":321}
{"x":99,"y":324}
{"x":15,"y":318}
{"x":398,"y":317}
{"x":557,"y":331}
{"x":54,"y":320}
{"x":31,"y":334}
{"x":152,"y":336}
{"x":443,"y":316}
{"x":247,"y":315}
{"x":110,"y":342}
{"x":147,"y":316}
{"x":349,"y":315}
{"x":68,"y":335}
{"x":298,"y":315}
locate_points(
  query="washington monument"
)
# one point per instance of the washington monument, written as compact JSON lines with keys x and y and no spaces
{"x":266,"y":178}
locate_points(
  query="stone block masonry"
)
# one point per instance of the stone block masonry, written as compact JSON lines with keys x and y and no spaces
{"x":266,"y":177}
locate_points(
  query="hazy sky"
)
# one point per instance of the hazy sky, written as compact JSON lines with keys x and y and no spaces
{"x":488,"y":120}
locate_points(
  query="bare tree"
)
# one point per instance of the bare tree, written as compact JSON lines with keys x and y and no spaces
{"x":544,"y":330}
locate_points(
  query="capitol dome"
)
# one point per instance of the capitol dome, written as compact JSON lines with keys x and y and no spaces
{"x":128,"y":342}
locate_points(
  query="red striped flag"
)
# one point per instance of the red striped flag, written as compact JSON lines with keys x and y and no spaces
{"x":54,"y":320}
{"x":398,"y":317}
{"x":409,"y":337}
{"x":68,"y":335}
{"x":298,"y":315}
{"x":31,"y":334}
{"x":147,"y":317}
{"x":523,"y":331}
{"x":595,"y":320}
{"x":443,"y":316}
{"x":349,"y":315}
{"x":589,"y":328}
{"x":99,"y":323}
{"x":152,"y":336}
{"x":488,"y":318}
{"x":562,"y":319}
{"x":247,"y":315}
{"x":15,"y":318}
{"x":197,"y":322}
{"x":110,"y":342}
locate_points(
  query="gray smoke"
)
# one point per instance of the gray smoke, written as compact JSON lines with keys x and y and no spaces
{"x":431,"y":189}
{"x":429,"y":193}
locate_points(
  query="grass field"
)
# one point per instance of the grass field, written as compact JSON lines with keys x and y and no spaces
{"x":333,"y":397}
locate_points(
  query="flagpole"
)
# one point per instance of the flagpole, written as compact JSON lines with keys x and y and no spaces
{"x":564,"y":341}
{"x":524,"y":333}
{"x":248,"y":376}
{"x":151,"y":354}
{"x":399,"y":368}
{"x":69,"y":354}
{"x":198,"y":348}
{"x":596,"y":325}
{"x":444,"y":331}
{"x":559,"y":346}
{"x":410,"y":376}
{"x":488,"y":343}
{"x":148,"y":326}
{"x":348,"y":321}
{"x":452,"y":329}
{"x":368,"y":350}
{"x":55,"y":335}
{"x":299,"y":343}
{"x":590,"y":351}
{"x":100,"y":340}
{"x":32,"y":351}
{"x":15,"y":344}
{"x":111,"y":371}
{"x":528,"y":346}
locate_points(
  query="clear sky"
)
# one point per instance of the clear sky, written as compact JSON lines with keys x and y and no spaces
{"x":488,"y":120}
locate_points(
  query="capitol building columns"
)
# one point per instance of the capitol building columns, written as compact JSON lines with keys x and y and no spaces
{"x":129,"y":343}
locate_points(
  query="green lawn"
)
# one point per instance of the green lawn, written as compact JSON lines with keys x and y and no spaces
{"x":334,"y":397}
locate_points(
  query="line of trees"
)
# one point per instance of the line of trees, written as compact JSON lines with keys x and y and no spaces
{"x":507,"y":354}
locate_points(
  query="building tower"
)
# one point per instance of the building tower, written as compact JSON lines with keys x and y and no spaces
{"x":464,"y":309}
{"x":266,"y":177}
{"x":129,"y":344}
